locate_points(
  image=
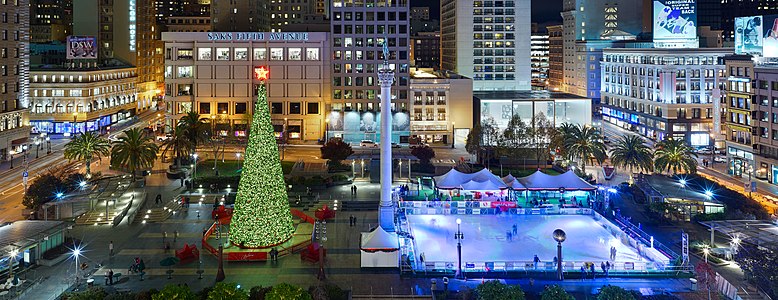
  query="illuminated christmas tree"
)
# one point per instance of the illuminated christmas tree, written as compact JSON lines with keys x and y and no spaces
{"x":261,"y":217}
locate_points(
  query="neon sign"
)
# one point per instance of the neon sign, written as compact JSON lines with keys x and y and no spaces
{"x":132,"y":24}
{"x":261,"y":73}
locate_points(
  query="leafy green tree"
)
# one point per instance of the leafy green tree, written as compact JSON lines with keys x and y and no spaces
{"x":490,"y":136}
{"x":584,"y":142}
{"x":513,"y":141}
{"x":496,"y":290}
{"x":542,"y":131}
{"x":555,"y":292}
{"x":336,"y":151}
{"x":473,"y":145}
{"x":87,"y":147}
{"x":285,"y":291}
{"x":195,"y":129}
{"x":425,"y":154}
{"x":134,"y":150}
{"x":760,"y":265}
{"x":42,"y":190}
{"x":674,"y":155}
{"x":259,"y":292}
{"x":610,"y":292}
{"x":179,"y":144}
{"x":632,"y":152}
{"x":174,"y":292}
{"x":227,"y":291}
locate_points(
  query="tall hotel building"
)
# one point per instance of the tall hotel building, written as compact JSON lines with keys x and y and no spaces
{"x":488,"y":41}
{"x":14,"y":77}
{"x":662,"y":93}
{"x":358,"y":32}
{"x":212,"y":73}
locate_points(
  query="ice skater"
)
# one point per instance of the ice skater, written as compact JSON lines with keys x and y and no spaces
{"x":536,"y":260}
{"x":515,"y":229}
{"x":508,"y":236}
{"x":607,"y":268}
{"x":602,"y":266}
{"x":591,"y":269}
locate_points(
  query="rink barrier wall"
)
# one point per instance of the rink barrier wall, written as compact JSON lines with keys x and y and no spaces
{"x":643,"y":250}
{"x":482,"y":208}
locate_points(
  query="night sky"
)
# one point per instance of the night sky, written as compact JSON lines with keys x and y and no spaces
{"x":545,"y":12}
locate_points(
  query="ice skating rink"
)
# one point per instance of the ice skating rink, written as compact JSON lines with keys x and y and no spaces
{"x":486,"y":238}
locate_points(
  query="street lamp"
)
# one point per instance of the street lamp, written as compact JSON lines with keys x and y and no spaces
{"x":283,"y":141}
{"x":452,"y":134}
{"x":12,"y":158}
{"x":237,"y":154}
{"x":75,"y":116}
{"x":559,"y":237}
{"x":706,"y":251}
{"x":459,"y":236}
{"x":37,"y":147}
{"x":48,"y":145}
{"x":321,"y":237}
{"x":194,"y":173}
{"x":326,"y":129}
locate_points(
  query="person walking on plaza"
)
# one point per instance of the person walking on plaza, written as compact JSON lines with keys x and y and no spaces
{"x":110,"y":248}
{"x":175,"y":236}
{"x":110,"y":276}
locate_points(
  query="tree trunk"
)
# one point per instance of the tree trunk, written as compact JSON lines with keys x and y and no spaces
{"x":88,"y":163}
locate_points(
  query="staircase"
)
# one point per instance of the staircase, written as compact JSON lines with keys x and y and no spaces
{"x":157,"y":214}
{"x":749,"y":293}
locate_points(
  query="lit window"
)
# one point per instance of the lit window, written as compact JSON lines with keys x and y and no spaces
{"x":222,"y":53}
{"x":260,"y":54}
{"x":241,"y":54}
{"x":276,"y":54}
{"x":295,"y":53}
{"x":204,"y":54}
{"x":312,"y":54}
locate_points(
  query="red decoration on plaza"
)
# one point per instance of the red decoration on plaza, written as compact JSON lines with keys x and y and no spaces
{"x":261,"y":73}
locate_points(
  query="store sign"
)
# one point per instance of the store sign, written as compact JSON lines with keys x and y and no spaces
{"x":757,"y":35}
{"x":81,"y":47}
{"x":675,"y":19}
{"x":257,"y":36}
{"x":132,"y":24}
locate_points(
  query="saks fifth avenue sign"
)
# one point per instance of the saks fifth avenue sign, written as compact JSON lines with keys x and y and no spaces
{"x":257,"y":36}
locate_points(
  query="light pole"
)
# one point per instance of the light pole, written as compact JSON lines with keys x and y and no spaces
{"x":453,"y":139}
{"x":37,"y":146}
{"x":326,"y":130}
{"x":559,"y":237}
{"x":11,"y":260}
{"x":75,"y":116}
{"x":459,"y":236}
{"x":705,"y":252}
{"x":283,"y":141}
{"x":48,"y":145}
{"x":239,"y":161}
{"x":321,"y":237}
{"x":194,"y":173}
{"x":12,"y":158}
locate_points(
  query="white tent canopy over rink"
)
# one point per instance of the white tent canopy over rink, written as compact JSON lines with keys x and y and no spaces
{"x":485,"y":180}
{"x":379,"y":249}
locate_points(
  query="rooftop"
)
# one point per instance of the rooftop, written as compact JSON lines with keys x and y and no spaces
{"x":21,"y":233}
{"x":524,"y":95}
{"x":427,"y":73}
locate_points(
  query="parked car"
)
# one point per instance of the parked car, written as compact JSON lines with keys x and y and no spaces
{"x":720,"y":159}
{"x":396,"y":145}
{"x":368,"y":144}
{"x":704,"y":151}
{"x":162,"y":138}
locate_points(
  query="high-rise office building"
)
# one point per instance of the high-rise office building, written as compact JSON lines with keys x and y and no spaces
{"x":539,"y":48}
{"x":425,"y":50}
{"x":740,"y":129}
{"x":555,"y":58}
{"x":662,"y":93}
{"x":244,"y":15}
{"x":488,"y":41}
{"x":359,"y":30}
{"x":166,"y":9}
{"x":14,"y":83}
{"x":290,"y":12}
{"x":420,"y":13}
{"x":592,"y":21}
{"x":50,"y":20}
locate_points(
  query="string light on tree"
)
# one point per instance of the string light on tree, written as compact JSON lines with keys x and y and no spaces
{"x":261,"y":217}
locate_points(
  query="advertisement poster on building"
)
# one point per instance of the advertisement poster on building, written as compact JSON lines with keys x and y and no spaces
{"x":81,"y":47}
{"x":757,"y":35}
{"x":675,"y":19}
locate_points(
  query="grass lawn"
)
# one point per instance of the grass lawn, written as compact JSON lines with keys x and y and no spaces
{"x":230,"y":168}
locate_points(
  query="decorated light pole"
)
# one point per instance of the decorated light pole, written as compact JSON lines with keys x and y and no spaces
{"x":459,"y":236}
{"x":559,"y":237}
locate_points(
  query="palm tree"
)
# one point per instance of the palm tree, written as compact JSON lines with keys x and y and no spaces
{"x":134,"y":150}
{"x":195,"y":128}
{"x":583,"y":142}
{"x":675,"y":155}
{"x":87,"y":146}
{"x":633,"y":153}
{"x":179,"y":144}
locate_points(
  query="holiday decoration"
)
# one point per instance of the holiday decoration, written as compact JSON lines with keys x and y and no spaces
{"x":261,"y":217}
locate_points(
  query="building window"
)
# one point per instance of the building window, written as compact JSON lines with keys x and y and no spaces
{"x":312,"y":54}
{"x":260,"y":54}
{"x":241,"y":54}
{"x":205,"y":108}
{"x":240,"y":108}
{"x":222,"y":108}
{"x":295,"y":108}
{"x":204,"y":54}
{"x":313,"y":108}
{"x":276,"y":108}
{"x":295,"y":53}
{"x":276,"y":54}
{"x":222,"y":53}
{"x":185,"y":72}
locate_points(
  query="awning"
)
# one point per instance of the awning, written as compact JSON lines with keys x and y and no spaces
{"x":20,"y":141}
{"x":380,"y":240}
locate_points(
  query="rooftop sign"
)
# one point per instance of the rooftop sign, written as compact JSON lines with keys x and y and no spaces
{"x":257,"y":36}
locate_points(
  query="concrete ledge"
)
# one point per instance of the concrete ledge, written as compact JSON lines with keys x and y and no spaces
{"x":51,"y":263}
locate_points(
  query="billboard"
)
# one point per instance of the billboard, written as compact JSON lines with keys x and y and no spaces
{"x":81,"y":47}
{"x":675,"y":19}
{"x":757,"y":35}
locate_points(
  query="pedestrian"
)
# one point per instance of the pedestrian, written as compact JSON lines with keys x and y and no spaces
{"x":204,"y":231}
{"x":421,"y":258}
{"x":536,"y":260}
{"x":583,"y":271}
{"x":164,"y":236}
{"x":110,"y":277}
{"x":106,"y":278}
{"x":607,"y":267}
{"x":602,"y":266}
{"x":556,"y":260}
{"x":110,"y":248}
{"x":355,"y":190}
{"x":515,"y":229}
{"x":614,"y":253}
{"x":591,"y":268}
{"x":175,"y":236}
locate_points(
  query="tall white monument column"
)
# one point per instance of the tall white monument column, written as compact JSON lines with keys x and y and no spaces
{"x":386,"y":211}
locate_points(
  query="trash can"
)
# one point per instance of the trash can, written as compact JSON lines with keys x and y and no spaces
{"x":434,"y":284}
{"x":694,"y":283}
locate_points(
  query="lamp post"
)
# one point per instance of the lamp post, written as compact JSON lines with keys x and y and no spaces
{"x":459,"y":236}
{"x":11,"y":260}
{"x":559,"y":237}
{"x":453,"y":139}
{"x":283,"y":141}
{"x":37,"y":146}
{"x":75,"y":116}
{"x":12,"y":158}
{"x":326,"y":129}
{"x":194,"y":173}
{"x":48,"y":145}
{"x":237,"y":154}
{"x":321,"y":237}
